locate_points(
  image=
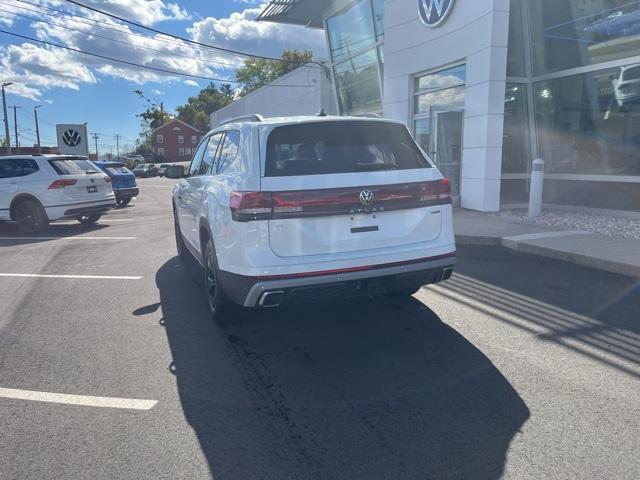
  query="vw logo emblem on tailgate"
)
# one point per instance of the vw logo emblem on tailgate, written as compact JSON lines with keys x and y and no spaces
{"x":366,"y":197}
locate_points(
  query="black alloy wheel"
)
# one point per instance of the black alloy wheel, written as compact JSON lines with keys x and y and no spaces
{"x":30,"y":217}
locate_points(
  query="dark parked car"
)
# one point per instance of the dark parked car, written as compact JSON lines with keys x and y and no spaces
{"x":145,"y":170}
{"x":123,"y":181}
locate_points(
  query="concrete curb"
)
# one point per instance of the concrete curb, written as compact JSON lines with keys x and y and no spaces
{"x":479,"y":240}
{"x":571,"y":257}
{"x":575,"y":258}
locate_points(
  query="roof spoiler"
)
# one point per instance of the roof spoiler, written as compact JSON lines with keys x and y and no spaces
{"x":245,"y":118}
{"x":369,"y":115}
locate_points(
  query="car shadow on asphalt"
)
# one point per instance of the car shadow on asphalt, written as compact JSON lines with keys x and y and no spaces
{"x":10,"y":235}
{"x":370,"y":389}
{"x":591,"y":312}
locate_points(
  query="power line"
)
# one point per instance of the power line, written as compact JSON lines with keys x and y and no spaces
{"x":187,"y":40}
{"x":126,"y":62}
{"x":138,"y":65}
{"x":89,"y":34}
{"x":125,"y":31}
{"x":96,"y":23}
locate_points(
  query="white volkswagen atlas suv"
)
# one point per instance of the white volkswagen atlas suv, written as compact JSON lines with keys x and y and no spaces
{"x":283,"y":211}
{"x":37,"y":189}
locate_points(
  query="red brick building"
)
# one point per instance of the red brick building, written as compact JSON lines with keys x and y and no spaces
{"x":175,"y":141}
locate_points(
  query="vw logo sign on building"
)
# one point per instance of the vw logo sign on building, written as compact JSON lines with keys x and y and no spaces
{"x":434,"y":12}
{"x":72,"y":139}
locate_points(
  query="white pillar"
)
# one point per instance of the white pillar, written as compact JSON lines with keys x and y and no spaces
{"x":535,"y":192}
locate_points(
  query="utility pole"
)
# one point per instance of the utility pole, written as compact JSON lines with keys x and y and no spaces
{"x":35,"y":114}
{"x":95,"y":139}
{"x":117,"y":137}
{"x":6,"y":118}
{"x":15,"y":123}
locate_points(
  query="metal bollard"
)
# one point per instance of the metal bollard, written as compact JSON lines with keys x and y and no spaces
{"x":535,"y":191}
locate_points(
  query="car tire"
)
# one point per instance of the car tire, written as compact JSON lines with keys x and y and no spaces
{"x":123,"y":202}
{"x":181,"y":247}
{"x":30,"y":217}
{"x":221,"y":308}
{"x":88,"y":219}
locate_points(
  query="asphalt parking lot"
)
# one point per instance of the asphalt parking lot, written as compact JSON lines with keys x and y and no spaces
{"x":110,"y":368}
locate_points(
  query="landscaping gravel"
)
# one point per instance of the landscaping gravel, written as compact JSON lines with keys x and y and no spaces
{"x":611,"y":226}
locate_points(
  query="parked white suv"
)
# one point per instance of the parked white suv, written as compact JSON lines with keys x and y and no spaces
{"x":292,"y":210}
{"x":37,"y":189}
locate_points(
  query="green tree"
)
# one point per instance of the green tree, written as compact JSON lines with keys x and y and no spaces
{"x":257,"y":72}
{"x":197,"y":110}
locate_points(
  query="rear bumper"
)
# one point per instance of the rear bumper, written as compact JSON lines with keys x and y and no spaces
{"x":56,"y":212}
{"x":250,"y":291}
{"x":97,"y":209}
{"x":124,"y":193}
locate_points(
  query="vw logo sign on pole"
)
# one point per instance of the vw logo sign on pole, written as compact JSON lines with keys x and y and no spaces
{"x":72,"y":139}
{"x":434,"y":12}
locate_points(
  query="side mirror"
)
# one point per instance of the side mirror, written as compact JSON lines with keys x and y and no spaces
{"x":175,"y":172}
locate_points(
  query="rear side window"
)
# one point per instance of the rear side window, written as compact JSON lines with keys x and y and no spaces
{"x":73,"y":167}
{"x":229,"y":151}
{"x":194,"y":168}
{"x":210,"y":155}
{"x":341,"y":147}
{"x":17,"y":167}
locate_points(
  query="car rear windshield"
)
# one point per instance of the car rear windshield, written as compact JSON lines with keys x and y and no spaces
{"x":67,"y":166}
{"x":631,"y":74}
{"x":115,"y":170}
{"x":341,"y":147}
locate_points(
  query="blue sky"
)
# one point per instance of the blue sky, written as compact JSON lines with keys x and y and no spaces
{"x":74,"y":88}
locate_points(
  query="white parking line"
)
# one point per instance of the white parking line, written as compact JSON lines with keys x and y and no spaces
{"x":83,"y":400}
{"x":80,"y":277}
{"x":104,"y":220}
{"x":66,"y":238}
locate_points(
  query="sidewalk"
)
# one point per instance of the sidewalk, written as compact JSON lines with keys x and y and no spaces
{"x":618,"y":255}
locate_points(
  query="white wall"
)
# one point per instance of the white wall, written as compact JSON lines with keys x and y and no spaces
{"x":305,"y":91}
{"x":476,"y":32}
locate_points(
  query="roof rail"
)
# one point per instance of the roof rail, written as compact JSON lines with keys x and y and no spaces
{"x":245,"y":118}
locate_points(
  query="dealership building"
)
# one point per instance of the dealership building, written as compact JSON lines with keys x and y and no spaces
{"x":486,"y":86}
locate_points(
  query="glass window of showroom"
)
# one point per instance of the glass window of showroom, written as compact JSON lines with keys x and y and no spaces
{"x":355,"y":38}
{"x":573,"y":99}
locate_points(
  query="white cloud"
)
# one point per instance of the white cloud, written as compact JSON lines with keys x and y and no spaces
{"x":241,"y":31}
{"x":157,"y":91}
{"x":35,"y":68}
{"x":147,"y":12}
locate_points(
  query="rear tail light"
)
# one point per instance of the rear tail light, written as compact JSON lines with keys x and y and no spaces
{"x":248,"y":206}
{"x":62,"y":183}
{"x":444,"y":188}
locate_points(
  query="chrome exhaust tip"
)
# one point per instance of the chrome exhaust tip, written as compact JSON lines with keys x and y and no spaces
{"x":446,"y":274}
{"x":271,"y":299}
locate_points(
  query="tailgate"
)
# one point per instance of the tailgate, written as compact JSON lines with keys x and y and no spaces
{"x":318,"y":221}
{"x":347,"y":185}
{"x":89,"y":185}
{"x":81,"y":178}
